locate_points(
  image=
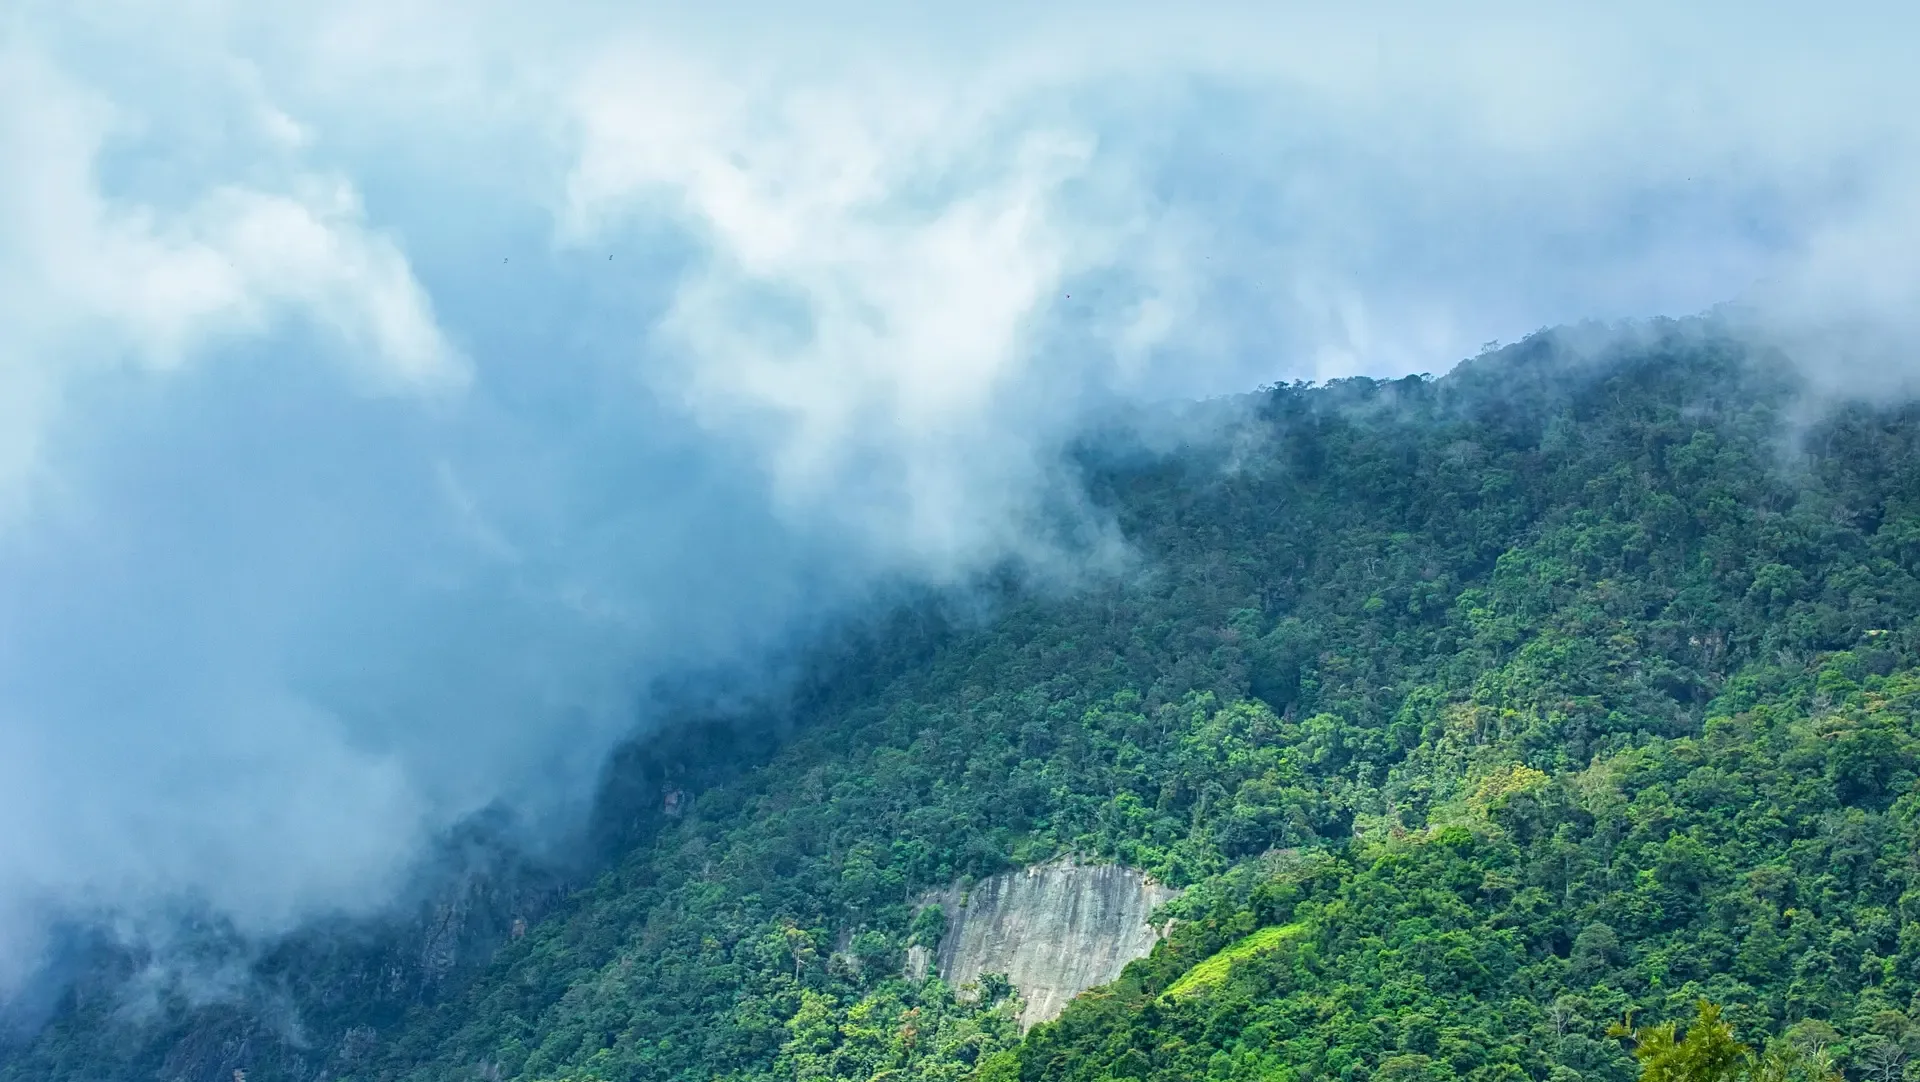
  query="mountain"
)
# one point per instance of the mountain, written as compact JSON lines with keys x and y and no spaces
{"x":1463,"y":716}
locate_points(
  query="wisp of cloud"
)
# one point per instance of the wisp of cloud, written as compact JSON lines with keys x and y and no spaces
{"x":389,"y":392}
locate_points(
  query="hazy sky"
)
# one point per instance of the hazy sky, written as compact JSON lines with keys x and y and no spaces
{"x":388,"y":389}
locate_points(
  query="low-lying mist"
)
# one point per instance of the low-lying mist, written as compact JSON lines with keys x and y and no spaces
{"x":391,"y":394}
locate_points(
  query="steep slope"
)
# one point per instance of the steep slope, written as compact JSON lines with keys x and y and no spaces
{"x":1767,"y":862}
{"x":1497,"y":654}
{"x":1053,"y":930}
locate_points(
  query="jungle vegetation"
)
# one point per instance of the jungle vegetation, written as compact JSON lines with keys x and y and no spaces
{"x":1555,"y":719}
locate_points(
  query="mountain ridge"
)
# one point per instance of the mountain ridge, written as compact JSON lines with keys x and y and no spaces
{"x":1366,"y":616}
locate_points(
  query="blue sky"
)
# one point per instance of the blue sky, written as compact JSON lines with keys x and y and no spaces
{"x":389,"y":389}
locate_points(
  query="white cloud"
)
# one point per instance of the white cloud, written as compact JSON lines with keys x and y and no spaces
{"x":878,"y":256}
{"x":1846,"y":299}
{"x":298,"y":614}
{"x":88,"y":279}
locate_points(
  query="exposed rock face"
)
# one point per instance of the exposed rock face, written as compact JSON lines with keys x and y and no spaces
{"x":1054,"y":929}
{"x":918,"y":961}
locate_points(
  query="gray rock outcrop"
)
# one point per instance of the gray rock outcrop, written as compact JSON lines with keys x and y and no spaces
{"x":1055,"y":929}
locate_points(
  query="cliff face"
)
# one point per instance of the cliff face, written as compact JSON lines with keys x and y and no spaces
{"x":1054,"y":929}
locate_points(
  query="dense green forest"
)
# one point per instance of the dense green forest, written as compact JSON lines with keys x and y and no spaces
{"x":1490,"y":722}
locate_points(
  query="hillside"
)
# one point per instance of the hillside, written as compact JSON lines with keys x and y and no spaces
{"x":1467,"y":713}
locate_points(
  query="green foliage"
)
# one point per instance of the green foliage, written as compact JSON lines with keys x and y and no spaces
{"x":1709,"y":1052}
{"x":1726,"y":864}
{"x":1470,"y":712}
{"x":1214,"y":971}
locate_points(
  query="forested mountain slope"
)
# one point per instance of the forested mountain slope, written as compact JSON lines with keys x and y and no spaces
{"x":1470,"y":712}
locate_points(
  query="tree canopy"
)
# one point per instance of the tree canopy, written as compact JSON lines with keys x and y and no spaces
{"x":1474,"y":715}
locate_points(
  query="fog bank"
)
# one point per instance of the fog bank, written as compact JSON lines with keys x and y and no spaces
{"x":390,"y":391}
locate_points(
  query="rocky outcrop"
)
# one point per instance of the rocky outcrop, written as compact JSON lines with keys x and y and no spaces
{"x":918,"y":962}
{"x":1054,"y":929}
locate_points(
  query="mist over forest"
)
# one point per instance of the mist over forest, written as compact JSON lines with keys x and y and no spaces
{"x":538,"y":543}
